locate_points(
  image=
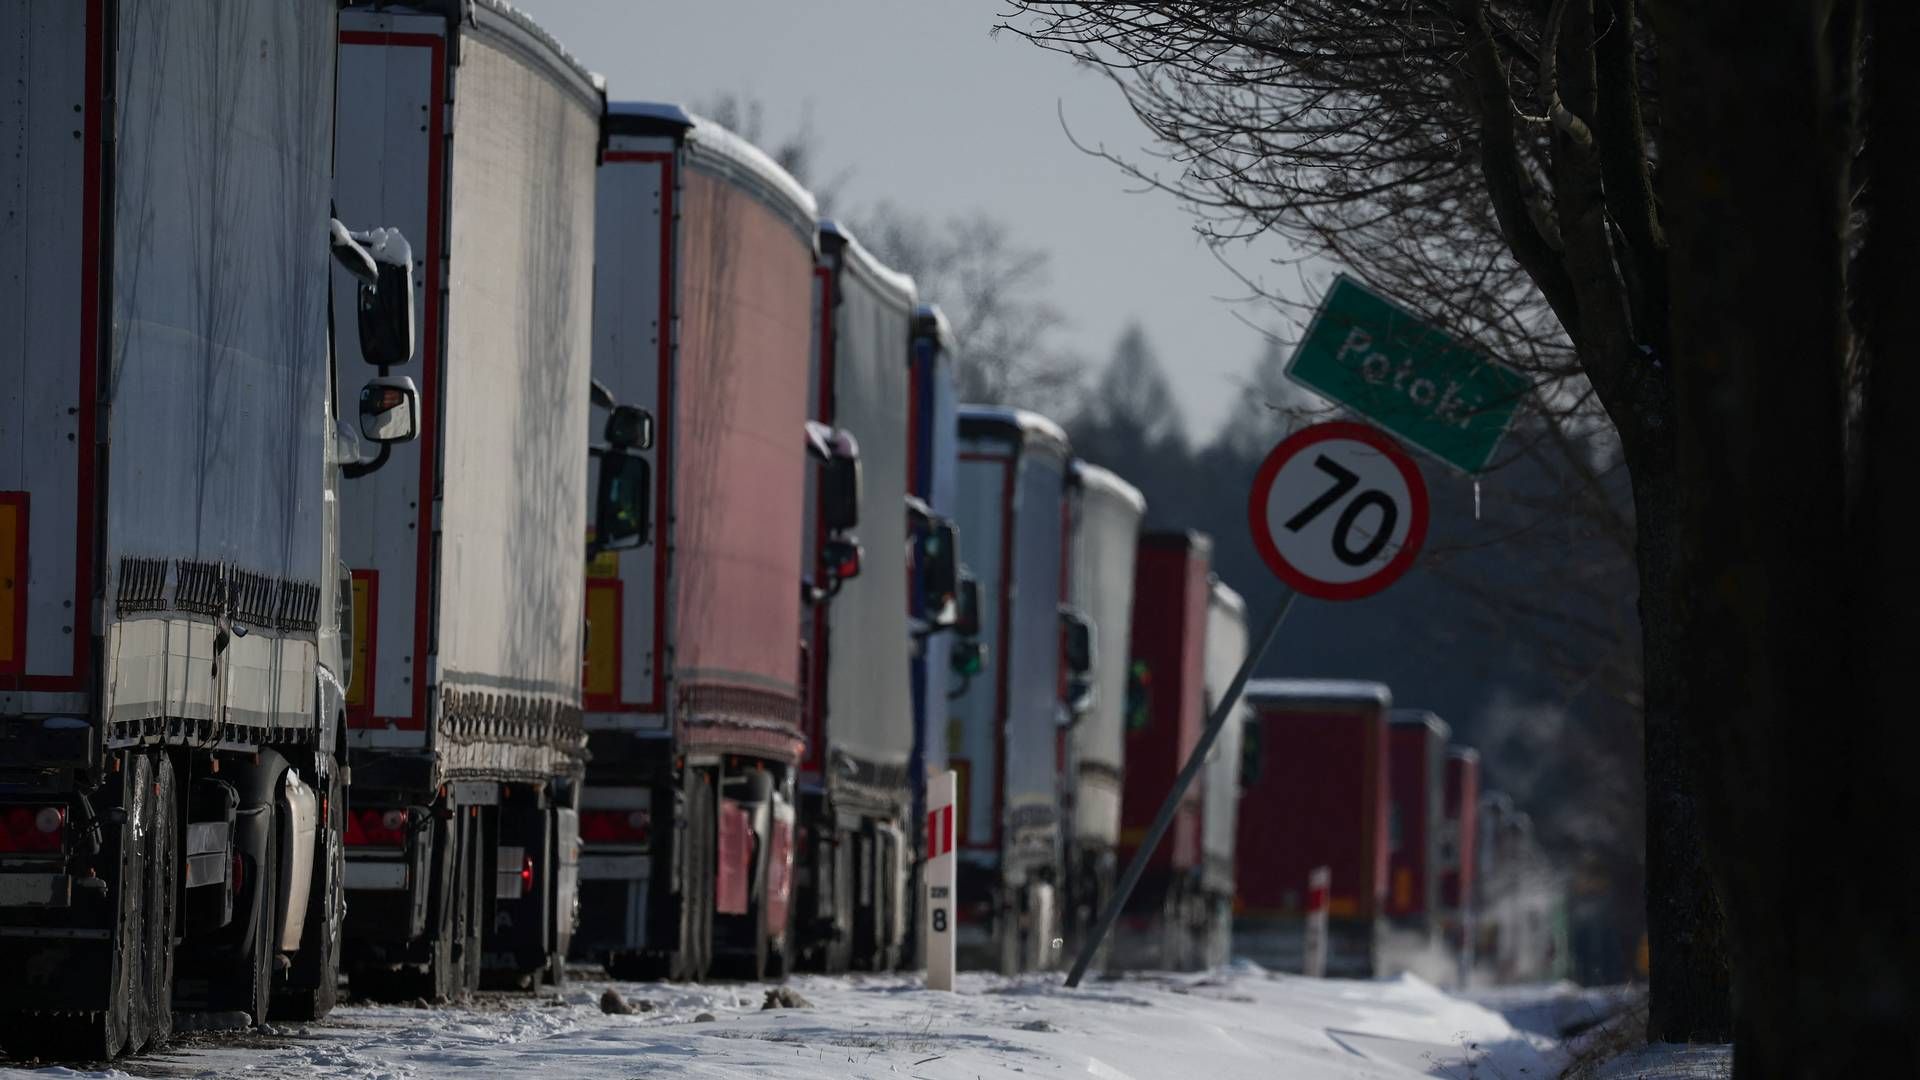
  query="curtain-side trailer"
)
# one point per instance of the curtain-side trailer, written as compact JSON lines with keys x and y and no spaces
{"x":1416,"y":779}
{"x":1168,"y":687}
{"x":1316,"y":795}
{"x":704,"y":271}
{"x":855,"y":862}
{"x":465,"y":124}
{"x":1005,"y":724}
{"x":1105,"y":519}
{"x":172,"y":652}
{"x":1220,"y":791}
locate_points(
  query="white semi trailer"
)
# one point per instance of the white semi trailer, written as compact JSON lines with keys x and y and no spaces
{"x":463,"y":123}
{"x":172,"y":657}
{"x":1106,"y":512}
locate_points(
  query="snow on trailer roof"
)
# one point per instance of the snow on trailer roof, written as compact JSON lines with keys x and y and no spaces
{"x":1026,"y":426}
{"x":1104,"y":480}
{"x":836,"y":239}
{"x":531,"y":38}
{"x":1320,"y":693}
{"x":1463,"y":753}
{"x":715,"y":147}
{"x":1421,"y":718}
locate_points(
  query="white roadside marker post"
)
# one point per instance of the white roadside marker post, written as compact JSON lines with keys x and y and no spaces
{"x":940,"y":881}
{"x":1319,"y":898}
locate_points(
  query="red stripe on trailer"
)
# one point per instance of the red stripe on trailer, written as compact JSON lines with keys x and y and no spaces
{"x":662,"y":423}
{"x":946,"y":829}
{"x":13,"y":660}
{"x":430,"y":359}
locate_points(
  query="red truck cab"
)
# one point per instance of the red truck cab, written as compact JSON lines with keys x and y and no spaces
{"x":1165,"y":715}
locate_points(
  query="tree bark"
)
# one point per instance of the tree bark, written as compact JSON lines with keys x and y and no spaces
{"x":1688,"y":977}
{"x":1806,"y":797}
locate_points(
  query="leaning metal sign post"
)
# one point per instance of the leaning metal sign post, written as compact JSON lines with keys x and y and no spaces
{"x":1338,"y":511}
{"x":1369,"y":354}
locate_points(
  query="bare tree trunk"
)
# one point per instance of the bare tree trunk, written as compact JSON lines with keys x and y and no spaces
{"x":1806,"y":797}
{"x":1689,"y":998}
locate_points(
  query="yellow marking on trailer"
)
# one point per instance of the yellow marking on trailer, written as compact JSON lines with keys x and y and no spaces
{"x":603,"y":639}
{"x":357,"y":687}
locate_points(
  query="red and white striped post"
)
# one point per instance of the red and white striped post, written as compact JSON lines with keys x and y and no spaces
{"x":1319,"y":896}
{"x":940,"y":881}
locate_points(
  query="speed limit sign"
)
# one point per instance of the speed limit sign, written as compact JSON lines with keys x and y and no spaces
{"x":1338,"y":511}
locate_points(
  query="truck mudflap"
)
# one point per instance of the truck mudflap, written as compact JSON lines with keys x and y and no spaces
{"x":734,"y":875}
{"x":779,"y":888}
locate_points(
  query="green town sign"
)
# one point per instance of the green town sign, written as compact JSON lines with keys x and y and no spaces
{"x":1380,"y":360}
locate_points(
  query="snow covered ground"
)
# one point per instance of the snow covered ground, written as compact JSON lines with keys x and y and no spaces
{"x":1237,"y":1023}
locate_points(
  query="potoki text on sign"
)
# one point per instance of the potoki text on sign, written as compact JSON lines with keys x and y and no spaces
{"x":1383,"y":362}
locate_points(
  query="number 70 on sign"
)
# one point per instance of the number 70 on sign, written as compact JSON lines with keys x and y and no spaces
{"x":1338,"y":511}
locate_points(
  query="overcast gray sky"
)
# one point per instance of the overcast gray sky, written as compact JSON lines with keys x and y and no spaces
{"x":929,"y":112}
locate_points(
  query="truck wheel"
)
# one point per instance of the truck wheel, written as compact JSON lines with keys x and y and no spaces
{"x":442,"y":982}
{"x":266,"y":922}
{"x":102,"y":1034}
{"x":1006,"y":932}
{"x":132,"y":950}
{"x":478,"y":906}
{"x":161,"y":902}
{"x":313,"y":987}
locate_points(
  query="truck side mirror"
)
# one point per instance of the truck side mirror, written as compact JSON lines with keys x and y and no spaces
{"x":629,"y":427}
{"x":967,"y":658}
{"x":389,"y":410}
{"x":385,"y":305}
{"x":1251,"y":754}
{"x":623,"y":506}
{"x":966,"y":613}
{"x":841,"y":559}
{"x":940,"y":569}
{"x":1076,"y":650}
{"x":840,"y":491}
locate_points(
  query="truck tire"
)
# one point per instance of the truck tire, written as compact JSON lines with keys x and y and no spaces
{"x":478,"y":852}
{"x":266,"y":920}
{"x":132,"y":950}
{"x":706,"y":853}
{"x":161,"y":902}
{"x":313,"y":985}
{"x":102,"y":1034}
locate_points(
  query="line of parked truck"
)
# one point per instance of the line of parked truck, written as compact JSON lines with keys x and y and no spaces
{"x":300,"y":676}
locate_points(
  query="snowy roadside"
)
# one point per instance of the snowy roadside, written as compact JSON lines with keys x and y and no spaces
{"x":1227,"y":1025}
